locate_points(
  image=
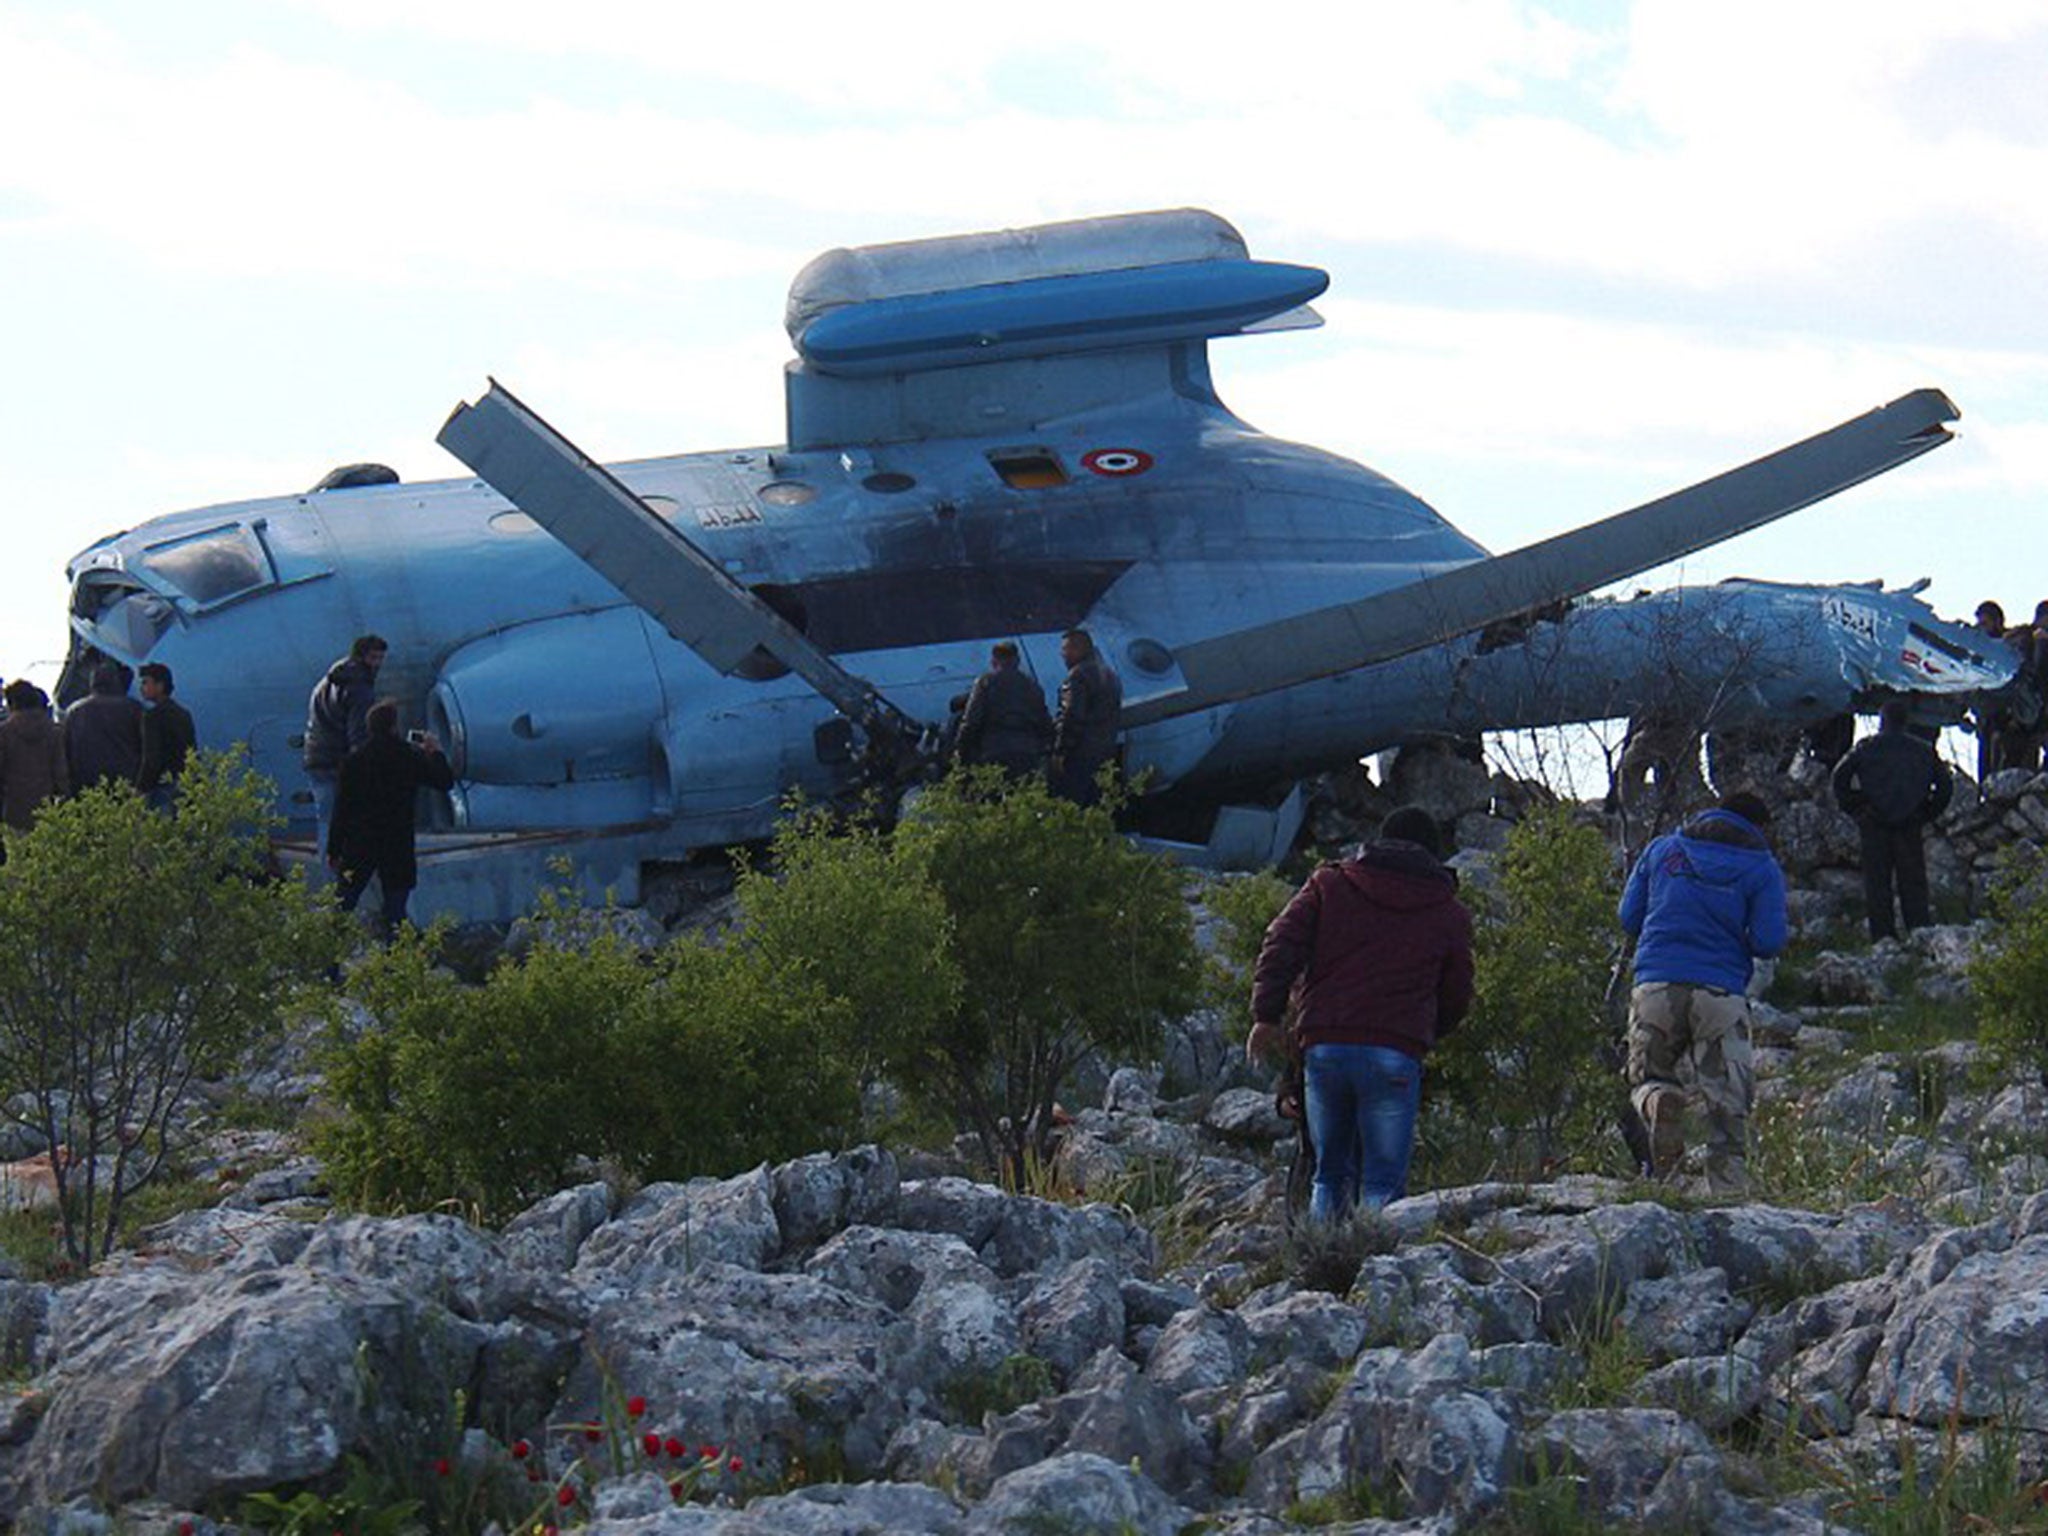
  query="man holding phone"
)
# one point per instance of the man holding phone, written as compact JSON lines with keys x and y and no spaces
{"x":374,"y":821}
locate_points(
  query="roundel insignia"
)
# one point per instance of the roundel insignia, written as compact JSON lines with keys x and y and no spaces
{"x":1117,"y":461}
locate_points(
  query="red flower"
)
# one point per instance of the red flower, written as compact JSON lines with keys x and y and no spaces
{"x":651,"y":1443}
{"x":186,"y":1528}
{"x":674,"y":1446}
{"x":521,"y":1450}
{"x":441,"y":1467}
{"x":635,"y":1407}
{"x":707,"y":1453}
{"x":593,"y":1434}
{"x":565,"y":1496}
{"x":734,"y":1465}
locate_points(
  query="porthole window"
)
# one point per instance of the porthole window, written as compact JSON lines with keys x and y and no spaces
{"x":786,"y":493}
{"x":1149,"y":656}
{"x":888,"y":481}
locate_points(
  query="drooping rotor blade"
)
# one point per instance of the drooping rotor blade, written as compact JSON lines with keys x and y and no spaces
{"x":620,"y":537}
{"x":1326,"y":641}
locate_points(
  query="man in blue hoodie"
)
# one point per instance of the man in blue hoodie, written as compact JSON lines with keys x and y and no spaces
{"x":1702,"y":903}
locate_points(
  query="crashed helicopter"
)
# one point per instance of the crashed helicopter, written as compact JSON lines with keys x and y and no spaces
{"x":988,"y":436}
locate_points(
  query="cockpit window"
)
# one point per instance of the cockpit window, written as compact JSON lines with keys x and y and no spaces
{"x":211,"y":567}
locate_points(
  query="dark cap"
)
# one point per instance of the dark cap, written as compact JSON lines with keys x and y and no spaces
{"x":1412,"y":824}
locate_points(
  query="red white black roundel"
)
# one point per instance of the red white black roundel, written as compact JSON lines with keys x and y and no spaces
{"x":1117,"y":461}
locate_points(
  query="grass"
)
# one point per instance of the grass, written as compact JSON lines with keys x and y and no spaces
{"x":1972,"y":1485}
{"x":1365,"y":1499}
{"x":1816,"y":1167}
{"x":33,"y":1244}
{"x":1327,"y":1255}
{"x":1020,"y":1379}
{"x":33,"y":1240}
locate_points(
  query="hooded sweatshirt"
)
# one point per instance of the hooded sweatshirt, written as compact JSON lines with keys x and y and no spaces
{"x":1376,"y":950}
{"x":1703,"y":901}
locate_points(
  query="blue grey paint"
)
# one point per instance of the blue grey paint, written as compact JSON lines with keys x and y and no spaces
{"x":914,"y":518}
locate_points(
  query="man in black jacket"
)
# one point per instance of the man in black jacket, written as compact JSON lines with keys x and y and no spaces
{"x":374,"y":812}
{"x":1893,"y":784}
{"x":103,"y":731}
{"x":168,"y":738}
{"x":1005,"y":721}
{"x":1091,"y":708}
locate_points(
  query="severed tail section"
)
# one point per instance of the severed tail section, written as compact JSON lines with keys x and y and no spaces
{"x":1321,"y":643}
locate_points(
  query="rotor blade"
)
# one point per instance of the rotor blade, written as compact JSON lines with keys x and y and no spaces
{"x":613,"y":531}
{"x":1326,"y":641}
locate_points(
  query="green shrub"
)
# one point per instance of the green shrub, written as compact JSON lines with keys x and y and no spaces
{"x":144,"y":951}
{"x":695,"y":1060}
{"x":2009,"y":973}
{"x":1525,"y":1075}
{"x":487,"y":1096}
{"x":836,"y":905}
{"x":728,"y":1061}
{"x":1068,"y":942}
{"x":984,"y":950}
{"x":973,"y":959}
{"x":1243,"y":906}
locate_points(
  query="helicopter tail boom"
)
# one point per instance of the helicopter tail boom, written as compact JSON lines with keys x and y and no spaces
{"x":1325,"y":641}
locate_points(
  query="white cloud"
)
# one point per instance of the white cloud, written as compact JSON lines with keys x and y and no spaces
{"x":1729,"y":163}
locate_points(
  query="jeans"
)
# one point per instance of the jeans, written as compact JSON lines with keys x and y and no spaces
{"x":1362,"y":1102}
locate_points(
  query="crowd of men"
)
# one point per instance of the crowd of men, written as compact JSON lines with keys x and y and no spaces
{"x":107,"y":737}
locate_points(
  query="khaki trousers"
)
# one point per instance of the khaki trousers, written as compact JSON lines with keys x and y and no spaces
{"x":1695,"y":1041}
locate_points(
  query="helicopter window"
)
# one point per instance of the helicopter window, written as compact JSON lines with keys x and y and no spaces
{"x":122,"y":614}
{"x":211,"y":567}
{"x":889,"y":481}
{"x":1027,"y":469}
{"x":787,"y":493}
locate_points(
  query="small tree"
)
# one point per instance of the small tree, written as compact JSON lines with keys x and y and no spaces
{"x":1069,"y":941}
{"x":1527,"y":1065}
{"x":835,"y":905}
{"x":2009,"y":972}
{"x":142,"y":951}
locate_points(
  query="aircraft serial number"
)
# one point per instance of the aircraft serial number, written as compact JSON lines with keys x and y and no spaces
{"x":726,"y":517}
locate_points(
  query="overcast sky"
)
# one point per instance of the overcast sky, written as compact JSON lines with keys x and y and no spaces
{"x":1581,"y":254}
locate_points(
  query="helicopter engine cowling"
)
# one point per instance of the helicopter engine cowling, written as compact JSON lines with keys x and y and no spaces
{"x":558,"y":718}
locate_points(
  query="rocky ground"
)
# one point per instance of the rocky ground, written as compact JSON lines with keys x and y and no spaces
{"x":871,"y":1342}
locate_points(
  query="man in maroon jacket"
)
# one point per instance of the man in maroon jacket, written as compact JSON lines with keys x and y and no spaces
{"x":1375,"y":951}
